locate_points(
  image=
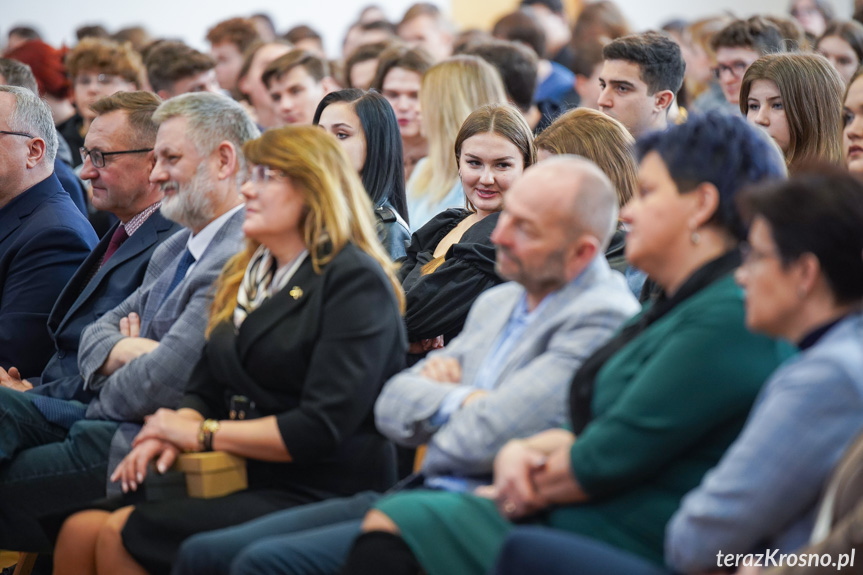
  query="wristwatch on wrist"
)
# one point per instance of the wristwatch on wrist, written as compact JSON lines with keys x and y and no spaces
{"x":205,"y":434}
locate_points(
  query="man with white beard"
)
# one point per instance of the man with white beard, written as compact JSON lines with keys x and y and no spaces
{"x":137,"y":357}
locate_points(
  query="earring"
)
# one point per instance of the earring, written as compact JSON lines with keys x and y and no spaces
{"x":695,"y":238}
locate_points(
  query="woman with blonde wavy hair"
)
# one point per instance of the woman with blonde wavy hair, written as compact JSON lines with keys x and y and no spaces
{"x":450,"y":91}
{"x":797,"y":100}
{"x":305,"y":329}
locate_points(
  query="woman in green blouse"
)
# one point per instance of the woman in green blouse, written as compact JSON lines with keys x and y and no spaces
{"x":652,"y":410}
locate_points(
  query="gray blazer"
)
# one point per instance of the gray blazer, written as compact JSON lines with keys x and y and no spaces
{"x":766,"y":487}
{"x":157,"y":379}
{"x":531,"y":393}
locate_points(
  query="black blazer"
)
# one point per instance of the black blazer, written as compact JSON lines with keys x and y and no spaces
{"x":90,"y":295}
{"x":315,"y":355}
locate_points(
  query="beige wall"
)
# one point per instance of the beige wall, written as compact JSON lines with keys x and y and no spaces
{"x":641,"y":14}
{"x":483,"y":13}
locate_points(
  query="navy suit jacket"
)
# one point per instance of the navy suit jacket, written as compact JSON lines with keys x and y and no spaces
{"x":72,"y":184}
{"x":43,"y":240}
{"x":84,"y":300}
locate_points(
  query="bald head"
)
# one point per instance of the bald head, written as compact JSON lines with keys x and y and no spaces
{"x":576,"y":194}
{"x":556,"y":219}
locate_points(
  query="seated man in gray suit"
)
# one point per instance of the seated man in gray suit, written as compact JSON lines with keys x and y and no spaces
{"x":115,"y":268}
{"x":138,"y":356}
{"x":505,"y":376}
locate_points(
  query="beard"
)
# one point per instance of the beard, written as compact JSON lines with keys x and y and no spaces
{"x":547,"y":275}
{"x":191,"y":205}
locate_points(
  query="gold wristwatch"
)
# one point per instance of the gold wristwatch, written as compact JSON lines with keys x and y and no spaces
{"x":205,"y":433}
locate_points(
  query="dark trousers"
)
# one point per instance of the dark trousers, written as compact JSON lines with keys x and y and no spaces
{"x":45,"y":468}
{"x":552,"y":552}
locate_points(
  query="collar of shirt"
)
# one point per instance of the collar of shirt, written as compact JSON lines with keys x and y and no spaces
{"x":137,"y":221}
{"x":198,"y":243}
{"x":488,"y":374}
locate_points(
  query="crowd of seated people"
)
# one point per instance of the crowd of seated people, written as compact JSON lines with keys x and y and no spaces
{"x":558,"y":296}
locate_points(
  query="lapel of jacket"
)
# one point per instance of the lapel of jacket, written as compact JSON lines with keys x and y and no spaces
{"x":289,"y":299}
{"x":70,"y":297}
{"x":225,"y":243}
{"x":539,"y":325}
{"x":144,"y":237}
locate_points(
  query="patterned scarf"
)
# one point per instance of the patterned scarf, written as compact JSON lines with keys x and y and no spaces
{"x":263,"y":278}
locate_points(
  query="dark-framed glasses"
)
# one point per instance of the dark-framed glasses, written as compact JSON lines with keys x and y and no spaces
{"x":25,"y":134}
{"x":736,"y":68}
{"x":98,"y":156}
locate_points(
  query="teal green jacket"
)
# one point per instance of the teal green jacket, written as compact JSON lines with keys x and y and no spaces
{"x":666,"y":407}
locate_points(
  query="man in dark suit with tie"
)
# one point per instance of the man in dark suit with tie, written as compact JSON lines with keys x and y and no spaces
{"x":137,"y":357}
{"x":43,"y":236}
{"x":118,"y":158}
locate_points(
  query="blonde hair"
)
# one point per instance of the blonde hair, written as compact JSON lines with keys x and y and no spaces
{"x":599,"y":138}
{"x":338,"y":210}
{"x":450,"y":91}
{"x":811,"y":91}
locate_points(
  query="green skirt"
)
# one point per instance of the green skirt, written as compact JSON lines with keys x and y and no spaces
{"x":460,"y":533}
{"x":448,"y":532}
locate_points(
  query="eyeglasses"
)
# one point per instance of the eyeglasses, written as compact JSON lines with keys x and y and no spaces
{"x":25,"y":134}
{"x":736,"y":68}
{"x":751,"y":255}
{"x":98,"y":156}
{"x":101,"y":79}
{"x":260,"y":174}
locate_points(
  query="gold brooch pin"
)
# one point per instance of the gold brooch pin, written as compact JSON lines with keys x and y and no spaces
{"x":296,"y":292}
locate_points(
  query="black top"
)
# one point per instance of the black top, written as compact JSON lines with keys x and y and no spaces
{"x":438,"y":303}
{"x":616,"y":251}
{"x":315,"y":355}
{"x":549,"y":110}
{"x":811,"y":338}
{"x":71,"y":132}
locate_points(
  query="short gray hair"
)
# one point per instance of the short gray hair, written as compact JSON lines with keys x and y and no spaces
{"x":212,"y":119}
{"x":33,"y":116}
{"x":17,"y":73}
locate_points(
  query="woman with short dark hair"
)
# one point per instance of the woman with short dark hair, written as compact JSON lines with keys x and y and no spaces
{"x":803,"y":277}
